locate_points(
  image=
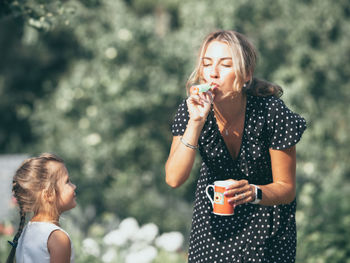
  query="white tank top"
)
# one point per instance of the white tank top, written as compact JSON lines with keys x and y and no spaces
{"x":32,"y":244}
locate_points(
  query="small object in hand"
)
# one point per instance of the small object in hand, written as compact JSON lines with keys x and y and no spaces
{"x":195,"y":90}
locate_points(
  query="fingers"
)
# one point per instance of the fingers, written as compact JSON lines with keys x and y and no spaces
{"x":207,"y":97}
{"x":237,"y":184}
{"x":199,"y":105}
{"x":196,"y":100}
{"x":240,"y":192}
{"x":242,"y":198}
{"x":202,"y":98}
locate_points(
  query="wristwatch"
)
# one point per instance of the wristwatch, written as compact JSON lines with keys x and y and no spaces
{"x":258,"y":195}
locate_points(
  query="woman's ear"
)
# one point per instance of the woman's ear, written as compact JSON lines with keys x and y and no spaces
{"x":248,"y":79}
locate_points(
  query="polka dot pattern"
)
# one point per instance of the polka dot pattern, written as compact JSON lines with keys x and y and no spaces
{"x":255,"y":233}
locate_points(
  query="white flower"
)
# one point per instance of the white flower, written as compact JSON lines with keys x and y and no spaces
{"x":129,"y":227}
{"x":109,"y":256}
{"x":170,"y":242}
{"x":126,"y":231}
{"x":91,"y":247}
{"x":115,"y":237}
{"x":137,"y":246}
{"x":147,"y":233}
{"x":146,"y":255}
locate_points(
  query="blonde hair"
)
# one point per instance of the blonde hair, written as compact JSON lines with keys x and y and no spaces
{"x":244,"y":57}
{"x":36,"y":177}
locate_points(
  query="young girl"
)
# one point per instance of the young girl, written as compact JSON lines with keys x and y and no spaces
{"x":41,"y":185}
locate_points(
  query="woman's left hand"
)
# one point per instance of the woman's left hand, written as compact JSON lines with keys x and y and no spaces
{"x":240,"y":192}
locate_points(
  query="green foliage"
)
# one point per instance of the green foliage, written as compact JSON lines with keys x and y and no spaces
{"x":40,"y":14}
{"x":30,"y":67}
{"x":105,"y":78}
{"x":107,"y":114}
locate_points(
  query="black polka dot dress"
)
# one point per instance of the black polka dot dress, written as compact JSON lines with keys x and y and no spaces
{"x":255,"y":233}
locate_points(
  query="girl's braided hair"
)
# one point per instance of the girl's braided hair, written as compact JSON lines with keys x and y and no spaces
{"x":33,"y":177}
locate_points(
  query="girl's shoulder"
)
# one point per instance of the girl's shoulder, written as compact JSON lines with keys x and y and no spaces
{"x":42,"y":226}
{"x":44,"y":229}
{"x":33,"y":242}
{"x":59,"y":244}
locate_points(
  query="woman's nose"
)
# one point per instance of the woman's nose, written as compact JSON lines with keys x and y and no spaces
{"x":214,"y":73}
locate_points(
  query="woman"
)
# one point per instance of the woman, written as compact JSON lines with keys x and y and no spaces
{"x":245,"y":134}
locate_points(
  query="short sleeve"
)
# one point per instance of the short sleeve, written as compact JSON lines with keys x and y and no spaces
{"x":180,"y":120}
{"x":285,"y":127}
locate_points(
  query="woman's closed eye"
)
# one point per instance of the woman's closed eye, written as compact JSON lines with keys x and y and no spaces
{"x":225,"y":63}
{"x":206,"y":63}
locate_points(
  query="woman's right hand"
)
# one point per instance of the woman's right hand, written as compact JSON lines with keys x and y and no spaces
{"x":199,"y":106}
{"x":181,"y":157}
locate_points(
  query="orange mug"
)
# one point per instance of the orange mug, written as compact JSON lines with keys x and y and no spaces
{"x":221,"y":206}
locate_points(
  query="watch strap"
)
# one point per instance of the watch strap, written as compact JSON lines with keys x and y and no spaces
{"x":258,"y":195}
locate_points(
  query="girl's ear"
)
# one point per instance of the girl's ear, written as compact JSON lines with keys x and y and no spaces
{"x":48,"y":196}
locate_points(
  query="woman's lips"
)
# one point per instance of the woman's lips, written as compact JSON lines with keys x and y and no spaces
{"x":215,"y":87}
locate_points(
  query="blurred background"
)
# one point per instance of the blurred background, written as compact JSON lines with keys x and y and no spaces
{"x":98,"y":82}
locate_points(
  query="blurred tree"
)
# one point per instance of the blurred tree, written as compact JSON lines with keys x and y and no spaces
{"x":111,"y":103}
{"x":30,"y":66}
{"x":109,"y":116}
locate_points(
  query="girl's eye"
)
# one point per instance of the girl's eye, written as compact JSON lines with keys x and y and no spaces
{"x":227,"y":65}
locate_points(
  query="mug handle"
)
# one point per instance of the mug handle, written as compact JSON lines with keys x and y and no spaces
{"x":206,"y":191}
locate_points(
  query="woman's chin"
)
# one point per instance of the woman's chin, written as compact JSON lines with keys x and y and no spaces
{"x":219,"y":97}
